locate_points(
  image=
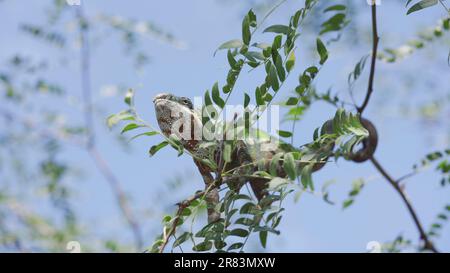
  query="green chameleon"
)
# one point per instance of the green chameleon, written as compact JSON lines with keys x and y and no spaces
{"x":178,"y":119}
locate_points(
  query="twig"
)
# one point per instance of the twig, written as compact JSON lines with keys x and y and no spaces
{"x":181,"y":206}
{"x":394,"y":183}
{"x":120,"y":195}
{"x":268,"y":14}
{"x":373,"y":61}
{"x":444,"y":6}
{"x":423,"y":236}
{"x":100,"y":163}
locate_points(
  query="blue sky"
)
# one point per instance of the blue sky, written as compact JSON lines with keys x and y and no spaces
{"x":308,"y":225}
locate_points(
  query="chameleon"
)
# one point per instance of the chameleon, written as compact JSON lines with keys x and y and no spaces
{"x":177,"y":118}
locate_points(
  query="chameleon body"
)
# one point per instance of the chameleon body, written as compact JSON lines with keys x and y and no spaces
{"x":177,"y":117}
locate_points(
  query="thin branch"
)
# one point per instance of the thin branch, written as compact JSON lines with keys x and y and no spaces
{"x":394,"y":183}
{"x":120,"y":195}
{"x":181,"y":206}
{"x":423,"y":236}
{"x":373,"y":61}
{"x":99,"y":161}
{"x":406,"y":176}
{"x":444,"y":6}
{"x":274,"y":8}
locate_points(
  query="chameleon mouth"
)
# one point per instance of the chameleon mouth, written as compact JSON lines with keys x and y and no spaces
{"x":161,"y":96}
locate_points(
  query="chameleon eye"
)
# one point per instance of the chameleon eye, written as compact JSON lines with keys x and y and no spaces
{"x":187,"y":102}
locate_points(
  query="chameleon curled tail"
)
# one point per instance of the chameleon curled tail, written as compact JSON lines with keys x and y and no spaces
{"x":241,"y":157}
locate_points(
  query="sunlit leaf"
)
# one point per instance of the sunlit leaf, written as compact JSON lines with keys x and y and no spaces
{"x":155,"y":148}
{"x":129,"y":97}
{"x":130,"y":127}
{"x":421,"y":5}
{"x":216,"y":96}
{"x":278,"y":29}
{"x":322,"y":50}
{"x":290,"y":61}
{"x":289,"y":166}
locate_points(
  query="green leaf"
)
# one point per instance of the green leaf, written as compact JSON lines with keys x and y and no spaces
{"x":347,"y":203}
{"x":251,"y":18}
{"x":247,"y":208}
{"x":279,"y":66}
{"x":274,"y":163}
{"x":216,"y":96}
{"x":155,"y":148}
{"x":277,"y":182}
{"x":241,"y":197}
{"x":278,"y":29}
{"x":289,"y":166}
{"x":290,"y":61}
{"x":296,"y":17}
{"x":246,"y":35}
{"x":236,"y":43}
{"x":130,"y":127}
{"x":208,"y":101}
{"x":203,"y":246}
{"x":231,"y":59}
{"x":335,"y":23}
{"x":116,"y":118}
{"x":175,"y":142}
{"x":186,"y":212}
{"x":254,"y":56}
{"x":239,"y":232}
{"x":166,"y":218}
{"x":277,"y":42}
{"x":151,"y":133}
{"x":282,"y":133}
{"x":235,"y":246}
{"x":262,"y":46}
{"x":335,"y":8}
{"x":181,"y":239}
{"x":129,"y":97}
{"x":258,"y":96}
{"x":244,"y":221}
{"x":246,"y":100}
{"x":263,"y":238}
{"x":306,"y":177}
{"x":273,"y":78}
{"x":292,"y":101}
{"x":322,"y":50}
{"x":422,"y":5}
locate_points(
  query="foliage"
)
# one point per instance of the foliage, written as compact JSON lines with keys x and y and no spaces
{"x":269,"y":53}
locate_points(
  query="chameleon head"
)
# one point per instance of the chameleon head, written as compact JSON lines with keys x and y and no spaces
{"x":176,"y":116}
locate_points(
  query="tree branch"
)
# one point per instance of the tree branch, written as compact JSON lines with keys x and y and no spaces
{"x":428,"y":245}
{"x":100,"y":163}
{"x":423,"y":236}
{"x":181,"y":206}
{"x":374,"y":59}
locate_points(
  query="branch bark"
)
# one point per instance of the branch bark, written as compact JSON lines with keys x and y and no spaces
{"x":181,"y":206}
{"x":428,"y":245}
{"x":93,"y":152}
{"x":375,"y":39}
